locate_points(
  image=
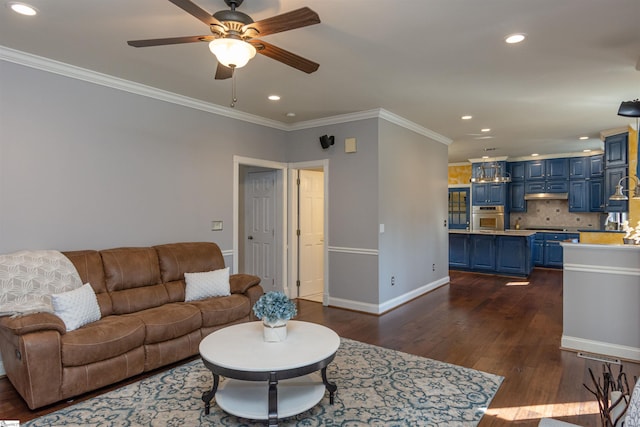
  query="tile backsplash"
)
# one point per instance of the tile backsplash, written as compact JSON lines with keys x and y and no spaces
{"x":554,"y":213}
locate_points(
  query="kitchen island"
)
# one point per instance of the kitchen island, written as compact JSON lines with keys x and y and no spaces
{"x":507,"y":253}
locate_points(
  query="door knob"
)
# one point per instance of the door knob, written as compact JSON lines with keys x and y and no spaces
{"x":250,"y":237}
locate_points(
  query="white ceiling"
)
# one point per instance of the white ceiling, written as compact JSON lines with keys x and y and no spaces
{"x":429,"y":61}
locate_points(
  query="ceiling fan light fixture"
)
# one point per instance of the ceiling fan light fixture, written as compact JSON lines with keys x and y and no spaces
{"x":232,"y":53}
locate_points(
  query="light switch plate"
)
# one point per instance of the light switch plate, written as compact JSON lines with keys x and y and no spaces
{"x":350,"y":145}
{"x":216,"y":225}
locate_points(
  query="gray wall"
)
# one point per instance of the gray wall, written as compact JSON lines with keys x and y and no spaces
{"x":413,"y":208}
{"x":84,"y":166}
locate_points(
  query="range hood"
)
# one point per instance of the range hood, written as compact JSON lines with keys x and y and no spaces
{"x":547,"y":196}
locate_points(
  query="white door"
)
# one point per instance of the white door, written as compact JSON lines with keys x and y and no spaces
{"x":260,"y":224}
{"x":311,"y":241}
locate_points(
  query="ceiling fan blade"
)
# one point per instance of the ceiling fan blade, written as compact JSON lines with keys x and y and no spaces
{"x":223,"y":72}
{"x":196,"y":11}
{"x":284,"y":56}
{"x":287,"y":21}
{"x":170,"y":40}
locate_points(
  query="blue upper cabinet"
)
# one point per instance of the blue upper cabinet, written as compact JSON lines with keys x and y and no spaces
{"x":547,"y":169}
{"x":489,"y":194}
{"x":596,"y":166}
{"x":579,"y":168}
{"x":534,"y":170}
{"x":516,"y":171}
{"x":616,"y":148}
{"x":557,"y":168}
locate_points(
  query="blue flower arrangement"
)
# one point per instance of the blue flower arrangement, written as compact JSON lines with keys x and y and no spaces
{"x":274,"y":306}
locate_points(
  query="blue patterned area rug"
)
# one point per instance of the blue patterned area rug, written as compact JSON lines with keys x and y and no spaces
{"x":376,"y":387}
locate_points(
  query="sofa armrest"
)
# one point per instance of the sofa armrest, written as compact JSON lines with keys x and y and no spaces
{"x":24,"y":324}
{"x":240,"y":283}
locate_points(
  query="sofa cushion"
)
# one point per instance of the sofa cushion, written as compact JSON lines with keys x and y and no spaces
{"x":108,"y":337}
{"x":76,"y":308}
{"x":126,"y":268}
{"x":168,"y":321}
{"x":178,"y":258}
{"x":207,"y":284}
{"x":221,"y":310}
{"x":132,"y":277}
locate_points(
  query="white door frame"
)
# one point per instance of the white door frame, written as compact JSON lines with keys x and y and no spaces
{"x":248,"y":161}
{"x":293,"y":224}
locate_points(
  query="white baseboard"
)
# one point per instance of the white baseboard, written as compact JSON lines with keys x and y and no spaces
{"x":390,"y":304}
{"x":599,"y":347}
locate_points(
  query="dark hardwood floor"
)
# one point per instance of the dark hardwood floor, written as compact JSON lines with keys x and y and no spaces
{"x":478,"y":322}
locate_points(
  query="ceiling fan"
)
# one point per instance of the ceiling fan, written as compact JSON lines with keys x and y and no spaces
{"x":233,"y":36}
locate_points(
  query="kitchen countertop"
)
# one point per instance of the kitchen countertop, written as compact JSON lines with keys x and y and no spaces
{"x":523,"y":233}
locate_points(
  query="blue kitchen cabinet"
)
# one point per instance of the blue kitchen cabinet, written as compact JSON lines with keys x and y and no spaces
{"x":578,"y":196}
{"x":534,"y":170}
{"x":489,"y":194}
{"x":596,"y":166}
{"x":513,"y":255}
{"x":553,"y":186}
{"x":557,"y":168}
{"x":579,"y":168}
{"x":547,"y":169}
{"x":483,"y":249}
{"x":611,"y":178}
{"x":459,"y":250}
{"x":552,"y":254}
{"x":596,"y":194}
{"x":616,"y":148}
{"x":516,"y":171}
{"x":517,"y":203}
{"x":538,"y":249}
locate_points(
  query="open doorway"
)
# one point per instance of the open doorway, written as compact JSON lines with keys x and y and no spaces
{"x":309,"y":224}
{"x":260,"y":223}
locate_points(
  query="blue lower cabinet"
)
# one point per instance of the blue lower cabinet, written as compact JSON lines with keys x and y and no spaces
{"x":538,"y":252}
{"x":547,"y":249}
{"x":552,"y":254}
{"x":513,"y":255}
{"x":483,"y":249}
{"x":459,"y":250}
{"x":490,"y":253}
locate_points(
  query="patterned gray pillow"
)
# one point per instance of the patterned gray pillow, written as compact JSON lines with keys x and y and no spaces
{"x":632,"y":419}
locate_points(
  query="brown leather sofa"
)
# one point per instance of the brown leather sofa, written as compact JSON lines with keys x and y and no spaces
{"x":145,"y":322}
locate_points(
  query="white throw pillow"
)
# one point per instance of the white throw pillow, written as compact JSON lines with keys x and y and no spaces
{"x":208,"y":284}
{"x":76,"y":308}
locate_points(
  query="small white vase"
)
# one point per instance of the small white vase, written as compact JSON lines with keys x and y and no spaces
{"x":275,"y":331}
{"x":615,"y":410}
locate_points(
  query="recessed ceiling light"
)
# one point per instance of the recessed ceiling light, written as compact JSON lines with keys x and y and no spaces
{"x":584,"y":137}
{"x":535,"y":155}
{"x":290,"y":114}
{"x":485,"y":130}
{"x":23,"y":9}
{"x":485,"y":157}
{"x":274,"y":98}
{"x":466,"y":117}
{"x":514,"y":38}
{"x":586,"y":151}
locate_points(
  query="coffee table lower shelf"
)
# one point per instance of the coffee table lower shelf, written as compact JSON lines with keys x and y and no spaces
{"x":250,"y":399}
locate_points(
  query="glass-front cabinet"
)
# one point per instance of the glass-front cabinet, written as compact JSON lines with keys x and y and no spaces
{"x":459,"y":208}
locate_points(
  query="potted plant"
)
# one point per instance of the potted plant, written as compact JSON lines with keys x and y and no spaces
{"x":274,"y":309}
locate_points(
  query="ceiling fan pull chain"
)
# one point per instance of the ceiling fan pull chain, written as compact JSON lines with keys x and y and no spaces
{"x":233,"y":87}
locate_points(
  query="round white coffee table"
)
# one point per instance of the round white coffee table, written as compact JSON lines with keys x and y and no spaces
{"x":240,"y":354}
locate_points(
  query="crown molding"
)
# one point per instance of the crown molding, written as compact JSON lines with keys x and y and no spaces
{"x":63,"y":69}
{"x":78,"y":73}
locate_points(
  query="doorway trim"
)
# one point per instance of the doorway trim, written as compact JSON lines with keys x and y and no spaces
{"x":293,"y":225}
{"x":248,"y":161}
